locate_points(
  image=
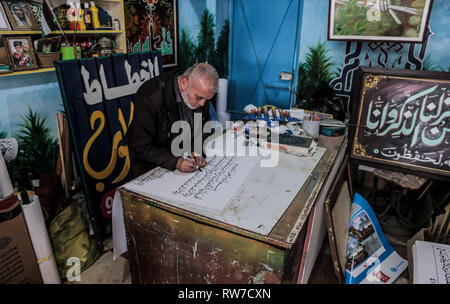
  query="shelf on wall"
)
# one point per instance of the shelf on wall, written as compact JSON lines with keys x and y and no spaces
{"x":20,"y":32}
{"x":90,"y":32}
{"x":43,"y":70}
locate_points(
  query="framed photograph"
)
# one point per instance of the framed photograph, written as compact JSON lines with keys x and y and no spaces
{"x":5,"y":60}
{"x":48,"y":44}
{"x":21,"y":53}
{"x":20,"y":15}
{"x":379,"y":20}
{"x":36,"y":8}
{"x":4,"y":24}
{"x":401,"y":120}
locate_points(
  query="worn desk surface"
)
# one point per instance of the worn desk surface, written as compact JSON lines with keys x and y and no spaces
{"x":251,"y":208}
{"x":168,"y":244}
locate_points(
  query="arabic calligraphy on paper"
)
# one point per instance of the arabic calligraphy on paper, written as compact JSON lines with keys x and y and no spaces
{"x":405,"y":120}
{"x":213,"y":187}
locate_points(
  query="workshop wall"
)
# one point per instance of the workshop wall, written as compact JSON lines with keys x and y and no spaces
{"x":190,"y":12}
{"x":40,"y":92}
{"x":345,"y":58}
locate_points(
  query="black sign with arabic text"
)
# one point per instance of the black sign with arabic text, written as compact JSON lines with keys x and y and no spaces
{"x":403,"y":119}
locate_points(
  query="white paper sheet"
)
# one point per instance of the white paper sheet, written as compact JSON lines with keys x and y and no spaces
{"x":41,"y":242}
{"x":431,"y":263}
{"x":118,"y":227}
{"x":6,"y":188}
{"x":211,"y":188}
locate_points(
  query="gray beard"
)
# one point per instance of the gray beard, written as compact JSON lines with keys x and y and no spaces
{"x":184,"y":97}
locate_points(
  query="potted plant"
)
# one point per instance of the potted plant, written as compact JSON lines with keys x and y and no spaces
{"x":314,"y":76}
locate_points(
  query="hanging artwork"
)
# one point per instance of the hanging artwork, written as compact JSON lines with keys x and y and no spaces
{"x":151,"y":25}
{"x":98,"y":96}
{"x":402,"y":119}
{"x":379,"y":20}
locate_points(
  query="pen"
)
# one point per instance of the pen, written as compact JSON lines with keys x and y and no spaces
{"x":186,"y":157}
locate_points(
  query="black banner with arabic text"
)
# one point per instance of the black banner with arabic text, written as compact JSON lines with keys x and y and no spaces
{"x":98,"y":98}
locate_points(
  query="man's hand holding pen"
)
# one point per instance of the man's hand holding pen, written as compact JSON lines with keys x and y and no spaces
{"x":188,"y":163}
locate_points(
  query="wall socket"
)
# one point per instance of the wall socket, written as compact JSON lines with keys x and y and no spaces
{"x":286,"y":76}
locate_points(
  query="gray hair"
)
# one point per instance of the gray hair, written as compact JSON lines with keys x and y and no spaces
{"x":203,"y":70}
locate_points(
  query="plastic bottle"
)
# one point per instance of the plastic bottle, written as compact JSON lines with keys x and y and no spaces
{"x":87,"y":16}
{"x":94,"y":15}
{"x":80,"y":17}
{"x":72,"y":17}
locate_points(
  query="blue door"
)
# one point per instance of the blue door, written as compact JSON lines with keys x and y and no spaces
{"x":264,"y":53}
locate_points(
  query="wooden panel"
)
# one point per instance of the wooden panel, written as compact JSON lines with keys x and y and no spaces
{"x":329,"y":205}
{"x":164,"y":247}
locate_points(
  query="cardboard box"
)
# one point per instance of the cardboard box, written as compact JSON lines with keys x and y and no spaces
{"x":18,"y":263}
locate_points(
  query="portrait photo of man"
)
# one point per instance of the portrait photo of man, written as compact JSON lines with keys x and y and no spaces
{"x":20,"y":15}
{"x":19,"y":56}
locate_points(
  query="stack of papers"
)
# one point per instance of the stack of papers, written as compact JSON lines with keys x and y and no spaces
{"x":431,"y":263}
{"x":296,"y":145}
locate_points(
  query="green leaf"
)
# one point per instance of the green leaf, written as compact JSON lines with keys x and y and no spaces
{"x":206,"y":39}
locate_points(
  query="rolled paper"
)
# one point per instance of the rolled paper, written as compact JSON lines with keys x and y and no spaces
{"x":6,"y":188}
{"x":40,"y":240}
{"x":9,"y":148}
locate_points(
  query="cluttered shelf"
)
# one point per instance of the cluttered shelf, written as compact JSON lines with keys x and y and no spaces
{"x":71,"y":32}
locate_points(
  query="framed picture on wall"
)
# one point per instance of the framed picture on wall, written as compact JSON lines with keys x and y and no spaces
{"x":20,"y":15}
{"x":21,"y":53}
{"x":48,"y":44}
{"x":4,"y":24}
{"x":379,"y":20}
{"x":401,"y":120}
{"x":36,"y":8}
{"x":153,"y":26}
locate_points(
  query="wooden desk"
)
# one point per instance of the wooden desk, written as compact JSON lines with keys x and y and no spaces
{"x":170,"y":245}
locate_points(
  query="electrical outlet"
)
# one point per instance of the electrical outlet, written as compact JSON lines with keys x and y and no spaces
{"x":286,"y":76}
